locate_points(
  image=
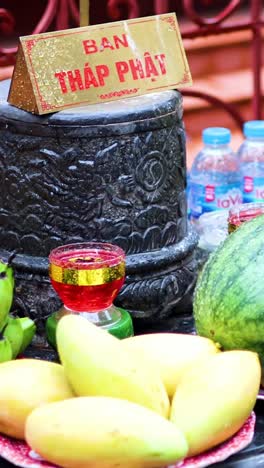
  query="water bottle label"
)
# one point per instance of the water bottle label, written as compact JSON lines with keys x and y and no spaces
{"x":205,"y":198}
{"x":253,"y":189}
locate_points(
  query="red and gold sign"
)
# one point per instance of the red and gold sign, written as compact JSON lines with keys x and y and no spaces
{"x":58,"y":70}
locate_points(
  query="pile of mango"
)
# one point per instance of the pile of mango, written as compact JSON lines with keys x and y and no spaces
{"x":144,"y":402}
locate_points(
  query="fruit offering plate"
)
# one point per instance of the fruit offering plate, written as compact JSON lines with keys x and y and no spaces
{"x":20,"y":454}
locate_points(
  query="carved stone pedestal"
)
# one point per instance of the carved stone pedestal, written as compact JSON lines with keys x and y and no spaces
{"x":114,"y":172}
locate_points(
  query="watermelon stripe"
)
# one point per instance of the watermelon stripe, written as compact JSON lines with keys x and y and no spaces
{"x":234,"y":286}
{"x":229,"y":296}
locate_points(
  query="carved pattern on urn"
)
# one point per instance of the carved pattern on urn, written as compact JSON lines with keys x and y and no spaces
{"x":118,"y":178}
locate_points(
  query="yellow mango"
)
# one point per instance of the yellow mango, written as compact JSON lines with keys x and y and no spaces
{"x":102,"y":432}
{"x":171,"y":353}
{"x":25,"y":385}
{"x":214,"y":399}
{"x":96,"y":363}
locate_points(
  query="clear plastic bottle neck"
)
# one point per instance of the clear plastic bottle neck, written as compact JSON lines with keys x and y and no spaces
{"x":224,"y":146}
{"x":255,"y":139}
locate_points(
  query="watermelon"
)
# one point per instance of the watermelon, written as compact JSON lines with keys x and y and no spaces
{"x":229,"y":295}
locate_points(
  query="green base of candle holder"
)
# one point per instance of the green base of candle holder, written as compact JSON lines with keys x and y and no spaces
{"x":121,"y":329}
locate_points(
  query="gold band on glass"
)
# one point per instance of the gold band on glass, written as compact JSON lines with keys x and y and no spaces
{"x":87,"y":277}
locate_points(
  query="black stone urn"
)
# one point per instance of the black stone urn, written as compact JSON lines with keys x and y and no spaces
{"x":112,"y":172}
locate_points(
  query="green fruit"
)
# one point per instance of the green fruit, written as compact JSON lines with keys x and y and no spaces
{"x":6,"y":292}
{"x":51,"y":326}
{"x":29,"y":329}
{"x":229,"y":296}
{"x":214,"y":399}
{"x":103,"y":432}
{"x":5,"y":349}
{"x":19,"y":332}
{"x":14,"y":335}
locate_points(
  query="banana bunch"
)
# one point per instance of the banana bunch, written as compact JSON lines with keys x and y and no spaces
{"x":15,"y":333}
{"x":7,"y":284}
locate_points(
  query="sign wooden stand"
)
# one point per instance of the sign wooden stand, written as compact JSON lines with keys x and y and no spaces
{"x":84,"y":13}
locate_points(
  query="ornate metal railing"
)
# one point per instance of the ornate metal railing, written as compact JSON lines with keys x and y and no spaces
{"x":62,"y":13}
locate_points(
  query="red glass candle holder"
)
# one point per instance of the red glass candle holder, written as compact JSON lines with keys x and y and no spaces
{"x":243,"y":213}
{"x":87,"y":277}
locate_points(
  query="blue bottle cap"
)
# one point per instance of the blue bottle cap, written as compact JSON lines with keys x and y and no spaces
{"x":216,"y":136}
{"x":254,"y":129}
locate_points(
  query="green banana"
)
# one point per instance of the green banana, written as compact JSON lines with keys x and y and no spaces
{"x":7,"y":283}
{"x":5,"y":349}
{"x":19,"y":332}
{"x":13,"y":333}
{"x":29,"y":329}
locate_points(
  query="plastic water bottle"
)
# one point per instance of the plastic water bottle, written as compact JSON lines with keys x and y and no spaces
{"x":251,"y":157}
{"x":215,"y":181}
{"x":187,"y":193}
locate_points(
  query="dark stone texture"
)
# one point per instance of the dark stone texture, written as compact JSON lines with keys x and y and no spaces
{"x":40,"y":352}
{"x":114,"y":172}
